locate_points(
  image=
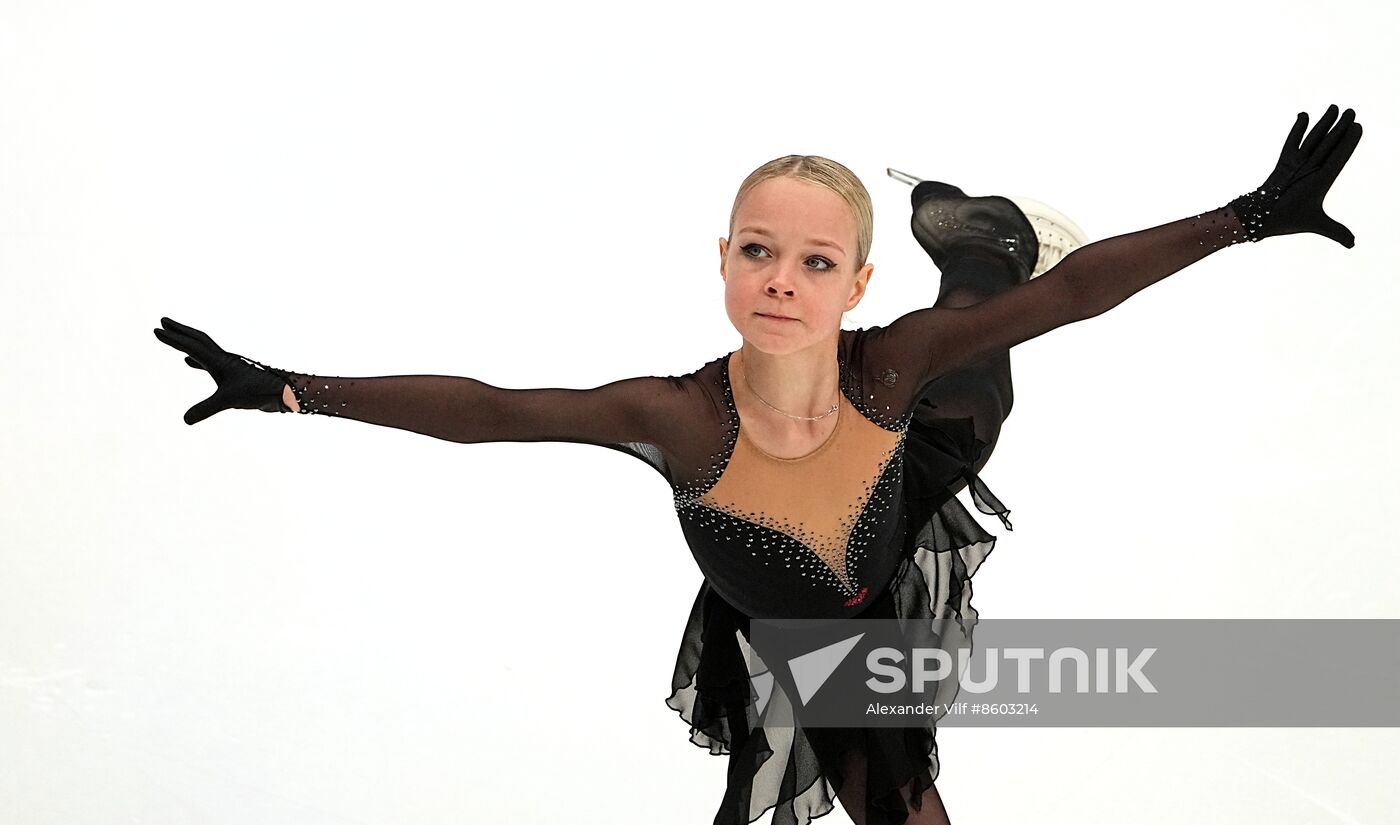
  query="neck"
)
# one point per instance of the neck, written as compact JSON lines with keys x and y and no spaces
{"x":799,"y":383}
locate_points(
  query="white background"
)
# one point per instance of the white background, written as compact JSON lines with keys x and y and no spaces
{"x":289,"y":619}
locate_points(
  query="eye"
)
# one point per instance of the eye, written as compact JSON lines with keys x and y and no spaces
{"x":816,"y":262}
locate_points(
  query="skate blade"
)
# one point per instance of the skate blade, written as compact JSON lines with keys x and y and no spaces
{"x":903,"y":177}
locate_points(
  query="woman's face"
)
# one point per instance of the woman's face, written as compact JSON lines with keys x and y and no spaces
{"x":792,"y":254}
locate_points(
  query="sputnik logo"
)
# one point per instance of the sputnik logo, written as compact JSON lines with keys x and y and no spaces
{"x":809,"y":671}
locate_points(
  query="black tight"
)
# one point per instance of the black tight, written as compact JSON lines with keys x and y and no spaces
{"x":981,"y":391}
{"x":852,"y":796}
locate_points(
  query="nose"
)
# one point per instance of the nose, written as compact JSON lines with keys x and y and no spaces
{"x":781,"y":281}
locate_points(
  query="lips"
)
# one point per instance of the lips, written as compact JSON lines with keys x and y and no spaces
{"x":774,"y":317}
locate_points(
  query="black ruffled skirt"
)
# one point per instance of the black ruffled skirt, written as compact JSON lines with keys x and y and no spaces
{"x":792,"y":770}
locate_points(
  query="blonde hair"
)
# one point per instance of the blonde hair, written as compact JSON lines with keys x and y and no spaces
{"x":825,"y":173}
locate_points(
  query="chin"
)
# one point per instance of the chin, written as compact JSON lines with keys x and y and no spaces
{"x":771,"y":343}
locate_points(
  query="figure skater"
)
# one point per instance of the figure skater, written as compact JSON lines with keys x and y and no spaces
{"x":813,"y":468}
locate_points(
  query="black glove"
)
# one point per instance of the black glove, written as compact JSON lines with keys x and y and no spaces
{"x":1290,"y":201}
{"x":243,"y":383}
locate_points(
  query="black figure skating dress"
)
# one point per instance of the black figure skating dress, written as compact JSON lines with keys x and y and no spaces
{"x":866,"y":525}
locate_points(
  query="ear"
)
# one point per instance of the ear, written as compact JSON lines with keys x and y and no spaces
{"x":858,"y":286}
{"x":723,"y":256}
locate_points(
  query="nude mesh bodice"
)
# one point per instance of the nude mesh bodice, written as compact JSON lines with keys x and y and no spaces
{"x":805,"y":537}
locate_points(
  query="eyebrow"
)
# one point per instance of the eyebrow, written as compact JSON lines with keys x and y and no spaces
{"x":817,"y":241}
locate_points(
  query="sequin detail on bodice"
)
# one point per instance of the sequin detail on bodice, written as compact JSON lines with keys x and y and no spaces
{"x":769,"y":522}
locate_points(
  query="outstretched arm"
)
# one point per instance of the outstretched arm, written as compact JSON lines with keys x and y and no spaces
{"x":470,"y":411}
{"x":1097,"y":277}
{"x":1089,"y":281}
{"x":647,"y":410}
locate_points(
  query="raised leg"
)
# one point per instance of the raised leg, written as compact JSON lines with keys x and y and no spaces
{"x":982,"y":246}
{"x":982,"y":391}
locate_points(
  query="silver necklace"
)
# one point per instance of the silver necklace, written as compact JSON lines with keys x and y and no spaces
{"x":788,"y":414}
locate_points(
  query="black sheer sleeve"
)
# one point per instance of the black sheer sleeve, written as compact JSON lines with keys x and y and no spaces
{"x":669,"y":422}
{"x":643,"y":416}
{"x":1091,"y":280}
